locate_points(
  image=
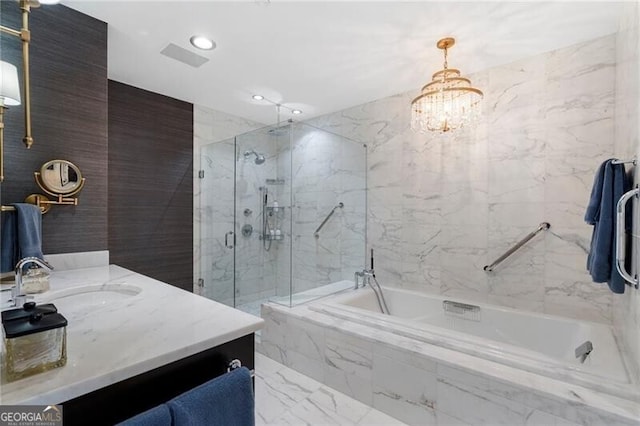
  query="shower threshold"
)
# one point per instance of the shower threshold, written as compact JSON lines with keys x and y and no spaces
{"x":253,"y":307}
{"x":312,"y":294}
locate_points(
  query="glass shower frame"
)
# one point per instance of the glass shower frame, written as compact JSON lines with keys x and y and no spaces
{"x":309,"y":171}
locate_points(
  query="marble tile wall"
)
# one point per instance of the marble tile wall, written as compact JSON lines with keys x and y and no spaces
{"x":327,"y":169}
{"x":440,"y":207}
{"x":420,"y":384}
{"x":626,"y":307}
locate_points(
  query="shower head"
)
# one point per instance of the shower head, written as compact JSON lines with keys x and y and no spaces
{"x":259,"y":157}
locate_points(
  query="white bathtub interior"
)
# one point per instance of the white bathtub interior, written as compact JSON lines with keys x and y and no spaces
{"x":539,"y":343}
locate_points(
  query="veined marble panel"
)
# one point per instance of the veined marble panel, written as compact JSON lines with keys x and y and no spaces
{"x":568,"y":286}
{"x":418,"y":275}
{"x":515,"y":85}
{"x":417,"y":387}
{"x":570,"y":179}
{"x":427,"y":384}
{"x":517,"y":181}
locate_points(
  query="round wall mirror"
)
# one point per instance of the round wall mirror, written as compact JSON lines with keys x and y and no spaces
{"x":60,"y":177}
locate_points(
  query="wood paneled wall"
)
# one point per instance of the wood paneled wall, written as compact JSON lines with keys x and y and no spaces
{"x":69,"y":112}
{"x":133,"y":146}
{"x":151,"y":184}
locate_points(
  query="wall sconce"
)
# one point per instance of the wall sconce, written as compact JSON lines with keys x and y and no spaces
{"x":9,"y":96}
{"x":25,"y":36}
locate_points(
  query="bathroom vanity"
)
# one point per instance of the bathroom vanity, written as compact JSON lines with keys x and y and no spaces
{"x":133,"y":342}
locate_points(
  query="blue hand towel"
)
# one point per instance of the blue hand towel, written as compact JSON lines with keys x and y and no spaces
{"x":157,"y":416}
{"x":9,"y":249}
{"x":29,"y":230}
{"x":226,"y":401}
{"x":609,"y":185}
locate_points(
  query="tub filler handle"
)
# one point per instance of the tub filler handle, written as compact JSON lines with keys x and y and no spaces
{"x":621,"y":237}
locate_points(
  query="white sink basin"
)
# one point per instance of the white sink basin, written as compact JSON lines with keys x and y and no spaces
{"x":83,"y":299}
{"x":88,"y":298}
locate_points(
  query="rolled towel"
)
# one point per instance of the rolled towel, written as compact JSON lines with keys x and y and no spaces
{"x":226,"y":400}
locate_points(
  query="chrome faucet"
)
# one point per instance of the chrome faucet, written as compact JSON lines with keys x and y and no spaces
{"x":366,"y":275}
{"x":17,"y":296}
{"x":583,"y":351}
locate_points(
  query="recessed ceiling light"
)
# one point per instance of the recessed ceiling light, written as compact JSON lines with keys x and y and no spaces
{"x":258,"y":97}
{"x":296,"y":111}
{"x":202,"y":42}
{"x":49,"y":1}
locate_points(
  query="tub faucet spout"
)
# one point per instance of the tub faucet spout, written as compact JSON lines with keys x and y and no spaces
{"x":583,"y":351}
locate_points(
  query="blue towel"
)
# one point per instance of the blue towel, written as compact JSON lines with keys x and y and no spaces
{"x":609,"y":185}
{"x":9,"y":248}
{"x":29,"y":230}
{"x":226,"y":401}
{"x":157,"y":416}
{"x":21,"y":235}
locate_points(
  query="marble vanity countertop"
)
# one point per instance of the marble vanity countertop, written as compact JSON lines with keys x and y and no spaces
{"x":140,"y":324}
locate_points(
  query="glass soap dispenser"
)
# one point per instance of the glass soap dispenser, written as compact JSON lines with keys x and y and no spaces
{"x":35,"y":340}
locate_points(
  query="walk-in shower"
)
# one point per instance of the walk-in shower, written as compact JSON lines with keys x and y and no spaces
{"x":270,"y":214}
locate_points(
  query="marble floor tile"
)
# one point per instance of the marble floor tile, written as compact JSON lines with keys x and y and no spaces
{"x":378,"y":418}
{"x":285,"y":397}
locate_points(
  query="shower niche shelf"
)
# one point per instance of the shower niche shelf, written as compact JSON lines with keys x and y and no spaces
{"x":277,"y":212}
{"x":269,"y":237}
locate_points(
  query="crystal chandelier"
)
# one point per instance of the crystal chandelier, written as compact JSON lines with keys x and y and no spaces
{"x":448,"y":101}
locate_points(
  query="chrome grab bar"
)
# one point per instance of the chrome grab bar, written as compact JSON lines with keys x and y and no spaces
{"x":316,"y":233}
{"x":542,"y":227}
{"x":621,"y":241}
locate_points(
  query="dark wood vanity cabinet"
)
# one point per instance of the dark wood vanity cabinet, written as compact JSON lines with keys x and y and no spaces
{"x":125,"y":399}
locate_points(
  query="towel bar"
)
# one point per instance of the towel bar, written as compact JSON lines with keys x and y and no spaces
{"x":236,"y":363}
{"x":620,"y":238}
{"x":634,"y":162}
{"x":13,"y":209}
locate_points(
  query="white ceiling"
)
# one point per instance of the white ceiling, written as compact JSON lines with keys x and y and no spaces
{"x":322,"y":57}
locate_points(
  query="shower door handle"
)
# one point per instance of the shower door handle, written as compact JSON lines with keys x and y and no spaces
{"x":621,"y":242}
{"x":226,"y":239}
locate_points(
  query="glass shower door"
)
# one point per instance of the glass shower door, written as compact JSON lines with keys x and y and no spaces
{"x":217,"y":221}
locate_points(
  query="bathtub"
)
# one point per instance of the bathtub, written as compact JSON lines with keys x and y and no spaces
{"x":424,"y":365}
{"x":538,"y":343}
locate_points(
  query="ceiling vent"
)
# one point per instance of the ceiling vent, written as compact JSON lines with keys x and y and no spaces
{"x":183,"y":55}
